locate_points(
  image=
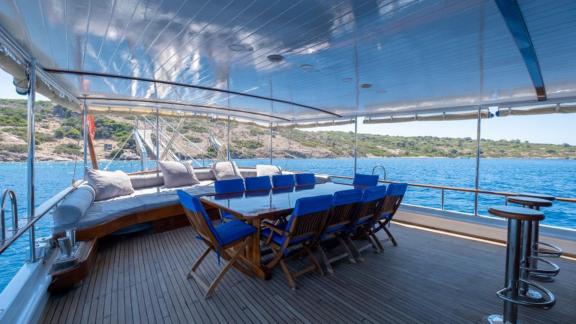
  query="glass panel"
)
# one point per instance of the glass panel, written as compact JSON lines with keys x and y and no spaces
{"x":438,"y":153}
{"x":521,"y":156}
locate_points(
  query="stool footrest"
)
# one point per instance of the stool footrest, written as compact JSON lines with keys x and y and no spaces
{"x":548,"y":299}
{"x":551,"y":250}
{"x":551,"y":272}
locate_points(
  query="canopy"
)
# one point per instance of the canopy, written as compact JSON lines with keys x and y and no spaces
{"x":301,"y":60}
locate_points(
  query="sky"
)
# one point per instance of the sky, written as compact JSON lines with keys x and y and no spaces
{"x":549,"y":129}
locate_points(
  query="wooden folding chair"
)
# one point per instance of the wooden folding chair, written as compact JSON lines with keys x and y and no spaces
{"x":298,"y":236}
{"x":366,"y":216}
{"x":394,"y":196}
{"x":342,"y":214}
{"x":223,"y":238}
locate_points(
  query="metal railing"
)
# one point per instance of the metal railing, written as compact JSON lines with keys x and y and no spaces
{"x":39,"y":212}
{"x":443,"y":190}
{"x":8,"y":193}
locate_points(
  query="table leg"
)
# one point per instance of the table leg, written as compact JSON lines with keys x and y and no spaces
{"x":253,"y":251}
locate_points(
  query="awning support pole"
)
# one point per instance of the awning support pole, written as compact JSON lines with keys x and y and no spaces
{"x":85,"y":133}
{"x":31,"y":155}
{"x":228,"y":139}
{"x":355,"y":150}
{"x":271,"y":151}
{"x":478,"y":152}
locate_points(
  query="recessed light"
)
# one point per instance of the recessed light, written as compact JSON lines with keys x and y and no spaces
{"x":240,"y":48}
{"x":307,"y":67}
{"x":366,"y":85}
{"x":275,"y":58}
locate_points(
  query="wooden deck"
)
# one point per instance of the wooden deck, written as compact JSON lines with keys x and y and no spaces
{"x":429,"y":277}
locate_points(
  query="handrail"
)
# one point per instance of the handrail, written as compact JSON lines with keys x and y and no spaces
{"x":14,"y":203}
{"x":471,"y":190}
{"x":40,"y":211}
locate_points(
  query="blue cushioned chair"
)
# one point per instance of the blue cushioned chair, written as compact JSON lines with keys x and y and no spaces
{"x":305,"y":179}
{"x":344,"y":206}
{"x":258,"y":183}
{"x":220,"y":238}
{"x":365,"y":180}
{"x":394,"y":196}
{"x":302,"y":231}
{"x":284,"y":180}
{"x":367,"y":215}
{"x":230,"y":186}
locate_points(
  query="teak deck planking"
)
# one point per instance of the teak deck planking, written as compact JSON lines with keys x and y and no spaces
{"x":429,"y":277}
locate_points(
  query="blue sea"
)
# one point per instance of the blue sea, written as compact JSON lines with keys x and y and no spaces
{"x":554,"y":177}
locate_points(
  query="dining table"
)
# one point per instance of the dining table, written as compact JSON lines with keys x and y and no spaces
{"x":257,"y":206}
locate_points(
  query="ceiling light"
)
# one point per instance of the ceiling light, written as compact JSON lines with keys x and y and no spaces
{"x":275,"y":58}
{"x":307,"y":67}
{"x":366,"y":85}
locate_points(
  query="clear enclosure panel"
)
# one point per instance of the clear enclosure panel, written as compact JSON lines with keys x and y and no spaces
{"x":439,"y":153}
{"x":324,"y":150}
{"x":531,"y":154}
{"x":58,"y":163}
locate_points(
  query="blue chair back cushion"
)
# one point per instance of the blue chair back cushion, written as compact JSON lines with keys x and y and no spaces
{"x":258,"y":183}
{"x":346,"y":197}
{"x":224,"y":233}
{"x":284,"y":180}
{"x":374,"y":193}
{"x":397,"y":189}
{"x":305,"y":179}
{"x":194,"y":205}
{"x":366,"y":180}
{"x":229,"y":186}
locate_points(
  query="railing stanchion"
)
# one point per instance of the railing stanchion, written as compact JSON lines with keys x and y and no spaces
{"x":442,"y":199}
{"x":31,"y":154}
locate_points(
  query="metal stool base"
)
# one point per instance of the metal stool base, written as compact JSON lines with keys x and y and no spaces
{"x":494,"y":319}
{"x":532,"y":294}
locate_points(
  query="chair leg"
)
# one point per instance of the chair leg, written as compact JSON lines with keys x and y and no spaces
{"x":199,"y":260}
{"x":347,"y":249}
{"x":390,"y":235}
{"x":313,"y":260}
{"x":288,"y":274}
{"x":326,"y":260}
{"x":221,"y":274}
{"x":354,"y":248}
{"x":374,"y":243}
{"x":379,"y":247}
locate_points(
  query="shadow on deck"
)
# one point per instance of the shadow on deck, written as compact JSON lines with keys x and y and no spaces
{"x":429,"y":277}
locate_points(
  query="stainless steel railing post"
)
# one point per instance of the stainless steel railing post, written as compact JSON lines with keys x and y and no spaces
{"x":442,"y":204}
{"x":31,"y":154}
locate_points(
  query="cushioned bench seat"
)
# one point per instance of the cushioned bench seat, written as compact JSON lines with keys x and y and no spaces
{"x":74,"y":212}
{"x":140,"y":201}
{"x":80,"y":211}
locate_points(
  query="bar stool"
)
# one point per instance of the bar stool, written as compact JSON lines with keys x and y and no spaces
{"x":535,"y":254}
{"x":510,"y":294}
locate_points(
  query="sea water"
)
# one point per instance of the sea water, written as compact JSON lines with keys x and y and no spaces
{"x":553,"y":177}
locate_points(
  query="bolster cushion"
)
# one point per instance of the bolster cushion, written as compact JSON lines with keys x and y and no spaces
{"x":141,"y":181}
{"x":73,"y":207}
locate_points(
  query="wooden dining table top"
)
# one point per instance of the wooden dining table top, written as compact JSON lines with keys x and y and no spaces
{"x":269,"y":203}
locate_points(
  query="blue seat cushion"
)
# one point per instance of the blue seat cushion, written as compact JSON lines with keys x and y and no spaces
{"x":232,"y":231}
{"x":334,"y":229}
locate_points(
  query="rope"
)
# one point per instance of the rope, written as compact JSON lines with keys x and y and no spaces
{"x":118,"y":152}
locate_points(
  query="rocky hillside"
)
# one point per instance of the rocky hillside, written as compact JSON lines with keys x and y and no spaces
{"x":59,"y":137}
